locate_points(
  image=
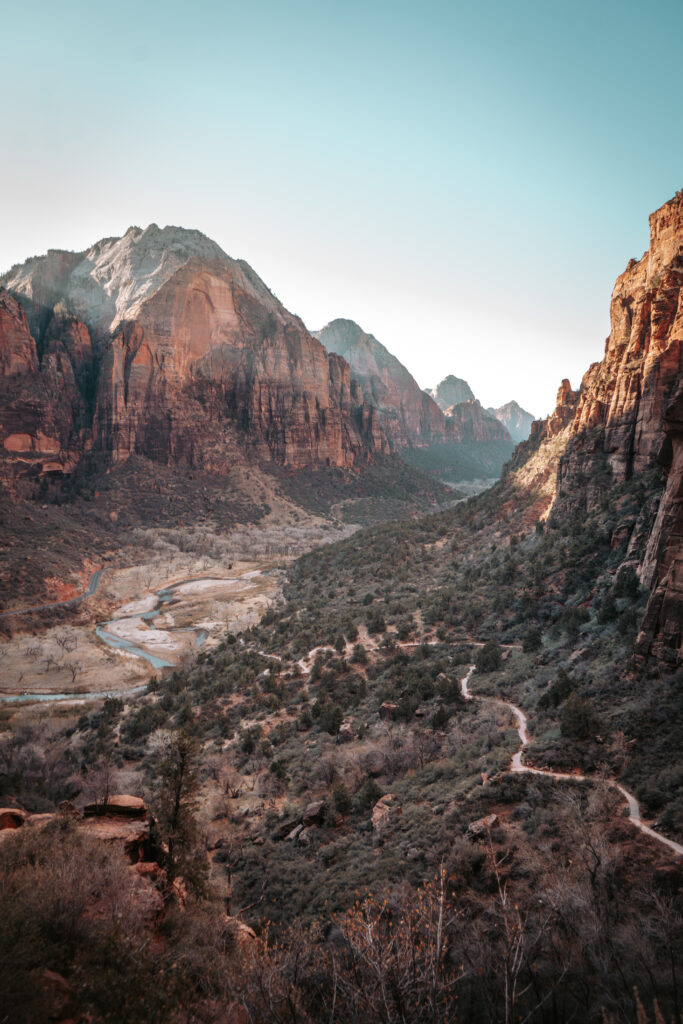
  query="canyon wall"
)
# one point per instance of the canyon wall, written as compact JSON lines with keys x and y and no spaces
{"x":159,"y":344}
{"x":624,"y":421}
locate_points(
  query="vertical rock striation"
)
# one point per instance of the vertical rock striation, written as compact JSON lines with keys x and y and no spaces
{"x":159,"y":344}
{"x":626,"y":416}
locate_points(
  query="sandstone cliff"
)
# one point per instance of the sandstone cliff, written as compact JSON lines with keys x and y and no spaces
{"x":662,"y":569}
{"x":161,"y":345}
{"x":469,"y":421}
{"x":625,"y":416}
{"x":458,"y":442}
{"x":408,"y":415}
{"x":43,"y":404}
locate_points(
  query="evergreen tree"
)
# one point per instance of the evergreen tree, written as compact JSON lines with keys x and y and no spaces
{"x":175,"y":809}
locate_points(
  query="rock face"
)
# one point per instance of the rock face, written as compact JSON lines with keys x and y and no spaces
{"x":12,"y":817}
{"x":452,"y":440}
{"x":451,"y":391}
{"x":121,"y":805}
{"x":480,"y":828}
{"x":468,"y":421}
{"x":407,"y":414}
{"x":662,"y":570}
{"x":517,"y":421}
{"x":43,"y":398}
{"x":385,"y":814}
{"x":159,"y":344}
{"x":628,"y":413}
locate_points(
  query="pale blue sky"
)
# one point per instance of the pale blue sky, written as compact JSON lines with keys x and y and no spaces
{"x":465,"y":180}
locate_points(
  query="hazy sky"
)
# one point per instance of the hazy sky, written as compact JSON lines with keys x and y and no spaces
{"x":464,"y":179}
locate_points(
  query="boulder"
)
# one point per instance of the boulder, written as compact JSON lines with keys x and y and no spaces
{"x":66,"y":807}
{"x":346,"y":733}
{"x":284,"y":828}
{"x":12,"y":817}
{"x":314,"y":813}
{"x":387,"y":711}
{"x":372,"y":761}
{"x":239,"y":934}
{"x":295,"y":833}
{"x":121,"y":805}
{"x":384,"y":813}
{"x":481,"y":827}
{"x":39,"y":819}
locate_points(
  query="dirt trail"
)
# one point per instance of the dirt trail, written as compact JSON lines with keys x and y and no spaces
{"x":517,"y":765}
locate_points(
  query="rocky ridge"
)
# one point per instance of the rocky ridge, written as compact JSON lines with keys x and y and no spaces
{"x":516,"y":420}
{"x":624,"y":419}
{"x":408,"y":415}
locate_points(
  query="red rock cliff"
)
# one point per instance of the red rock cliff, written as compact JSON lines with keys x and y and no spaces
{"x":626,"y":415}
{"x":194,"y":360}
{"x":42,"y":409}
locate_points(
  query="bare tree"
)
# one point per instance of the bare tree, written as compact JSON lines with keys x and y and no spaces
{"x":102,"y":780}
{"x":74,"y":668}
{"x":65,"y":641}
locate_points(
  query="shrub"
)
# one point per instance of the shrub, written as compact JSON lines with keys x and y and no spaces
{"x":532,"y":640}
{"x":489,"y":657}
{"x":579,"y":719}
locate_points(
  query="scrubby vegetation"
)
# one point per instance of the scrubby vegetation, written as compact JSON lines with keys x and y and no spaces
{"x":359,"y":814}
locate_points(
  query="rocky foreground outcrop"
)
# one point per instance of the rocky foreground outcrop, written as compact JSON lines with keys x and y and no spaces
{"x":626,"y":417}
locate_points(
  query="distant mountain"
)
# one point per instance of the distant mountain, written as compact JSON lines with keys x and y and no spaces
{"x":407,"y":414}
{"x":517,"y":420}
{"x":459,"y":442}
{"x":451,"y":391}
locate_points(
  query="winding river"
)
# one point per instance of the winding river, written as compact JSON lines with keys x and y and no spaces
{"x":164,"y":597}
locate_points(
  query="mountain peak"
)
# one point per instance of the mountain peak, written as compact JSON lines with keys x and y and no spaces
{"x":451,"y":391}
{"x":106,"y":283}
{"x":516,"y":419}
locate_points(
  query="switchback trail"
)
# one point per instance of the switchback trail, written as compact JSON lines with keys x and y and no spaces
{"x":517,"y":766}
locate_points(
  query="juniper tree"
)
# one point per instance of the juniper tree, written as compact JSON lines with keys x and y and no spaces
{"x":175,"y":809}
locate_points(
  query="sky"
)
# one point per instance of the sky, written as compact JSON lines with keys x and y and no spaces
{"x":465,"y":180}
